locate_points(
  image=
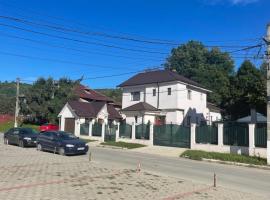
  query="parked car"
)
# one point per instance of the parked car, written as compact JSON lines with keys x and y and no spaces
{"x":21,"y":136}
{"x":61,"y":142}
{"x":48,"y":127}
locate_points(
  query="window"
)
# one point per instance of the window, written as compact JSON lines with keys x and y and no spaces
{"x":136,"y":119}
{"x":169,"y":91}
{"x":135,"y":96}
{"x":154,"y":92}
{"x":189,"y":94}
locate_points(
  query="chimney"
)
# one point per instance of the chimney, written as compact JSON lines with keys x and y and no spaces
{"x":253,"y":115}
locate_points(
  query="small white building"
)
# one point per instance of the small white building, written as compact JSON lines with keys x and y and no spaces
{"x":164,"y":96}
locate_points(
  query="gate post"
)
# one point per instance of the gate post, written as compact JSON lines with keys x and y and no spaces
{"x":91,"y":127}
{"x":220,"y":135}
{"x":133,"y":131}
{"x":103,"y":132}
{"x":192,"y":135}
{"x":251,"y":136}
{"x":117,"y":132}
{"x":151,"y":134}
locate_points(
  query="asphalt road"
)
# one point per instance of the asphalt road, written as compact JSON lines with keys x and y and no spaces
{"x":252,"y":180}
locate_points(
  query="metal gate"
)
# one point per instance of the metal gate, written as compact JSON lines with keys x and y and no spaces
{"x":172,"y":135}
{"x":110,"y":131}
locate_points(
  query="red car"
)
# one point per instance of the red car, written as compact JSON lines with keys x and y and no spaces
{"x":48,"y":127}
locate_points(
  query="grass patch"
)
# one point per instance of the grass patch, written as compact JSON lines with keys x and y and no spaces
{"x":123,"y":144}
{"x":87,"y":140}
{"x":4,"y":127}
{"x":199,"y":155}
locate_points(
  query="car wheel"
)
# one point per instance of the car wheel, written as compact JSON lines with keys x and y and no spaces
{"x":39,"y":147}
{"x":62,"y":151}
{"x":5,"y":141}
{"x":21,"y":143}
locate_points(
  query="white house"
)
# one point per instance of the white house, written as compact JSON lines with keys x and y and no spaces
{"x":164,"y":96}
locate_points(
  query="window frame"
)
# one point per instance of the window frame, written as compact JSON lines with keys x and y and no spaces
{"x":132,"y":96}
{"x":189,"y":95}
{"x":154,"y":92}
{"x":169,"y":91}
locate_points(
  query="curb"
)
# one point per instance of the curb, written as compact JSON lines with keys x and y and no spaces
{"x":112,"y":147}
{"x":236,"y":164}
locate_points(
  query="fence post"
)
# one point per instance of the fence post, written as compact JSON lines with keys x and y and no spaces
{"x":117,"y":131}
{"x":90,"y":128}
{"x":192,"y":135}
{"x":133,"y":132}
{"x":151,"y":134}
{"x":251,"y":137}
{"x":103,"y":132}
{"x":220,"y":134}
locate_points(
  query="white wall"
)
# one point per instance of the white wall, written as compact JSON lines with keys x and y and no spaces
{"x":195,"y":107}
{"x":174,"y":117}
{"x":65,"y":113}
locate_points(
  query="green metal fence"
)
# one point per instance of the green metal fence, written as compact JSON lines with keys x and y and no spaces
{"x":172,"y":135}
{"x":261,"y":135}
{"x":142,"y":131}
{"x":84,"y":129}
{"x":96,"y":129}
{"x":235,"y":134}
{"x":207,"y":134}
{"x":125,"y":130}
{"x":110,"y":132}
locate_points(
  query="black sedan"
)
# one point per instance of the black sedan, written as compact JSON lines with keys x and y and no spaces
{"x":61,"y":142}
{"x":21,"y":136}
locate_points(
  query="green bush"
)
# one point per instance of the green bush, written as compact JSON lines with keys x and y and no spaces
{"x":199,"y":155}
{"x":123,"y":144}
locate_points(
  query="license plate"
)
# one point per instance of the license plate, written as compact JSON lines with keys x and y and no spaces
{"x":81,"y":148}
{"x":35,"y":141}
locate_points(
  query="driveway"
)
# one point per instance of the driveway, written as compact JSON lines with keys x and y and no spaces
{"x":29,"y":174}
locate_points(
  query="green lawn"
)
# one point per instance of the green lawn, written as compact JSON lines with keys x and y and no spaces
{"x":199,"y":155}
{"x":7,"y":125}
{"x":87,"y":140}
{"x":123,"y":144}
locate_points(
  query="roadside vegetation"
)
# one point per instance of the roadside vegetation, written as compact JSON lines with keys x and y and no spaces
{"x":200,"y":155}
{"x":123,"y":144}
{"x":5,"y":126}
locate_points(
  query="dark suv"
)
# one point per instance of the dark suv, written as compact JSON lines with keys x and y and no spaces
{"x":61,"y":142}
{"x":21,"y":136}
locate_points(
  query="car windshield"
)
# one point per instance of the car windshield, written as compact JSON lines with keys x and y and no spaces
{"x":66,"y":136}
{"x":26,"y":131}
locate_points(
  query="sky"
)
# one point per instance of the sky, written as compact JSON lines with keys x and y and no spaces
{"x":30,"y":48}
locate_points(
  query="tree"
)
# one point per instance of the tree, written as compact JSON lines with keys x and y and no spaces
{"x":209,"y":67}
{"x":45,"y":99}
{"x":248,"y":90}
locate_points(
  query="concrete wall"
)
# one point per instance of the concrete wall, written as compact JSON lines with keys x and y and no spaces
{"x":251,"y":150}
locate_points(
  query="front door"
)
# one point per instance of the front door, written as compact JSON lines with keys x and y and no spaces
{"x":70,"y":125}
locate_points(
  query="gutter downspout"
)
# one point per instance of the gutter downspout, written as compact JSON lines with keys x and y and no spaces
{"x":158,"y":96}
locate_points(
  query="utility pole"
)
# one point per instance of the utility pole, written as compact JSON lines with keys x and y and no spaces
{"x":17,"y":102}
{"x":267,"y":41}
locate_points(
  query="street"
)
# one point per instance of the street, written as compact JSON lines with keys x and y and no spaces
{"x":113,"y":174}
{"x":239,"y":178}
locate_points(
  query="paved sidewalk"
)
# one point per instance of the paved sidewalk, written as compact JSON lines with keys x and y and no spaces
{"x":29,"y":174}
{"x":160,"y":150}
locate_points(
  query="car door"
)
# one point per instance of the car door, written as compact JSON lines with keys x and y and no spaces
{"x":48,"y":141}
{"x":16,"y":136}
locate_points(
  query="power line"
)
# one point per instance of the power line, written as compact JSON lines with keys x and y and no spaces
{"x":61,"y":28}
{"x":54,"y":60}
{"x":81,"y":41}
{"x":74,"y":49}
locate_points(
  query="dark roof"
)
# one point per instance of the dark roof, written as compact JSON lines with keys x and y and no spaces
{"x":213,"y":107}
{"x":89,"y":94}
{"x":142,"y":106}
{"x":91,"y":109}
{"x":158,"y":76}
{"x":85,"y":109}
{"x":113,"y":113}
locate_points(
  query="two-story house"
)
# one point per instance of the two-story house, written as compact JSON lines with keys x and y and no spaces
{"x":164,"y":96}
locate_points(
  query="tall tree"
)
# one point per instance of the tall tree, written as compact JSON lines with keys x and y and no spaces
{"x":46,"y":97}
{"x":209,"y":67}
{"x":248,"y":90}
